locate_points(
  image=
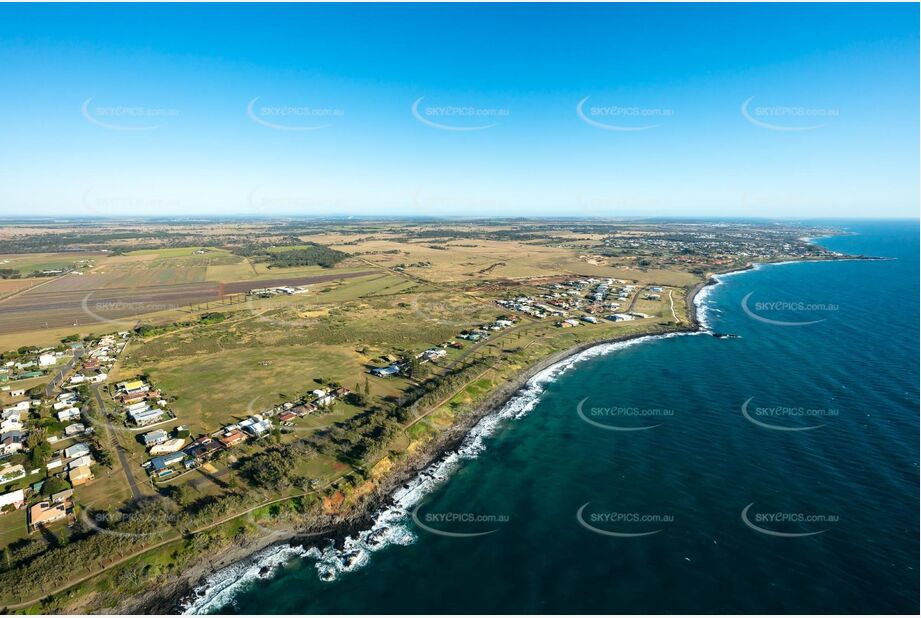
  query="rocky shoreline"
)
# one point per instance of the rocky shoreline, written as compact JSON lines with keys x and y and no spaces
{"x":170,"y":597}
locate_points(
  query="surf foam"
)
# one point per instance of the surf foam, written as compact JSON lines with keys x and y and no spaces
{"x":390,"y":525}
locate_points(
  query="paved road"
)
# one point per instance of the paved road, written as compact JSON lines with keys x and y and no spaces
{"x":636,"y":297}
{"x":122,"y":456}
{"x":59,"y":376}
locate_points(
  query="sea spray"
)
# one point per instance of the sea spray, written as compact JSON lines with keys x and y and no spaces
{"x":223,"y":585}
{"x":702,"y":304}
{"x":390,"y":525}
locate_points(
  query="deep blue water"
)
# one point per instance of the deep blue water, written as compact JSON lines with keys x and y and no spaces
{"x":696,"y":471}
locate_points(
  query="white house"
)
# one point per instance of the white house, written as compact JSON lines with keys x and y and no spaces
{"x":83,"y":460}
{"x":74,"y":429}
{"x":69,"y":414}
{"x":14,"y":499}
{"x":77,"y":450}
{"x":11,"y":423}
{"x":45,"y":360}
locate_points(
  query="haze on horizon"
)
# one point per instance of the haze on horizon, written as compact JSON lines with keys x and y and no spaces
{"x":487,"y":110}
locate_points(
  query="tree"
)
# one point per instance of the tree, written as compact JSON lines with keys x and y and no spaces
{"x":54,"y":485}
{"x":357,"y":399}
{"x":36,"y":391}
{"x":271,"y":469}
{"x":367,"y":387}
{"x":413,"y":369}
{"x":41,"y":450}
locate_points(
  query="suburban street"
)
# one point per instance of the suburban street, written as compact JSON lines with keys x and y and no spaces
{"x":59,"y":376}
{"x":119,"y":451}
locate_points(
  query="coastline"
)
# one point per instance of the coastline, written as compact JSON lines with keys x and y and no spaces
{"x":256,"y":555}
{"x":174,"y":596}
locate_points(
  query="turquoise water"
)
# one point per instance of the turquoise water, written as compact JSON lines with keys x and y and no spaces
{"x":850,"y":380}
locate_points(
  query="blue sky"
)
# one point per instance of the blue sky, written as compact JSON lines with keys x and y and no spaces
{"x":714,"y":110}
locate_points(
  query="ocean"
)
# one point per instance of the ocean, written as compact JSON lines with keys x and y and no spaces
{"x":774,"y":470}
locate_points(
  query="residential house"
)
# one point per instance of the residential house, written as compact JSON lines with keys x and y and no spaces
{"x":162,"y":466}
{"x":83,"y":460}
{"x":384,"y":372}
{"x":232,"y":438}
{"x":77,"y":450}
{"x":304,"y":409}
{"x":202,"y":448}
{"x":12,"y":442}
{"x":11,"y":422}
{"x":148,"y":416}
{"x":257,"y":426}
{"x":69,"y":414}
{"x":46,"y":512}
{"x":152,"y":438}
{"x":137,"y":407}
{"x":80,"y":476}
{"x":12,"y":500}
{"x":74,"y":429}
{"x":61,"y":496}
{"x":431,"y":354}
{"x":170,"y":446}
{"x":19,"y":406}
{"x":133,"y":398}
{"x":133,"y":386}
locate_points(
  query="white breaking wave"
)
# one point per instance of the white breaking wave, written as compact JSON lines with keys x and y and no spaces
{"x":223,"y":585}
{"x":704,"y":307}
{"x":390,"y":525}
